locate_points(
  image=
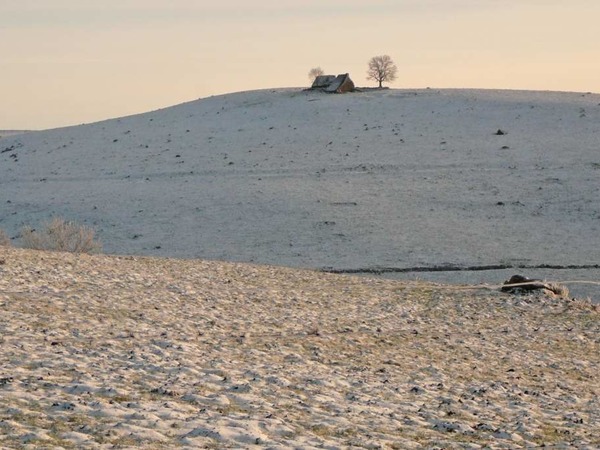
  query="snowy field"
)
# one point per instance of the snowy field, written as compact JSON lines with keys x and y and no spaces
{"x":104,"y":352}
{"x":394,"y":179}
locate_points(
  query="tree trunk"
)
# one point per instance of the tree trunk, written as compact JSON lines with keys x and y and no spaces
{"x":380,"y":85}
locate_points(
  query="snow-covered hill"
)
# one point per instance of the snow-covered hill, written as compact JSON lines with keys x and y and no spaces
{"x":393,"y":178}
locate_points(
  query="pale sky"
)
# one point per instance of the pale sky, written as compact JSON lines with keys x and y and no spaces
{"x":66,"y":62}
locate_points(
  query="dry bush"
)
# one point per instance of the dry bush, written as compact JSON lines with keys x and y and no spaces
{"x":61,"y":236}
{"x":558,"y":289}
{"x":4,"y":239}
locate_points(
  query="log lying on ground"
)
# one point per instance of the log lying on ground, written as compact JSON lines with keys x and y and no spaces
{"x":520,"y":283}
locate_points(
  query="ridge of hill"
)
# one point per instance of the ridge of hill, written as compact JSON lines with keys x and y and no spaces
{"x":6,"y":133}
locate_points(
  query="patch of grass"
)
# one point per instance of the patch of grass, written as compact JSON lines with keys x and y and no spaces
{"x":124,"y":441}
{"x":58,"y":442}
{"x":30,"y":420}
{"x":122,"y":398}
{"x":322,"y":430}
{"x":550,"y":434}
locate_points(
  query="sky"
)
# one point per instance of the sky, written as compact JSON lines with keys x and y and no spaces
{"x":66,"y":62}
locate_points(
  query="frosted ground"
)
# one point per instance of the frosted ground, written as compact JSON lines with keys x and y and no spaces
{"x":394,"y":179}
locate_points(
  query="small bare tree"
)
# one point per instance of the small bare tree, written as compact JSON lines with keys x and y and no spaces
{"x":382,"y":68}
{"x":314,"y":73}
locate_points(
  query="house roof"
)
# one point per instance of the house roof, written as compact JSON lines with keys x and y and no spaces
{"x":323,"y":81}
{"x":332,"y":83}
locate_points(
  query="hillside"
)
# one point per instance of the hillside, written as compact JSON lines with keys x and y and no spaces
{"x":395,"y":178}
{"x":124,"y":352}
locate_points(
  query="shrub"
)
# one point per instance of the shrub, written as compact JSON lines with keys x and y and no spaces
{"x":4,"y":239}
{"x":61,"y":236}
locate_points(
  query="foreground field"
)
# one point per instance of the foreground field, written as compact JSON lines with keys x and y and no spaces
{"x":101,"y":351}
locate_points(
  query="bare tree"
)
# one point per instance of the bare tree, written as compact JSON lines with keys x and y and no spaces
{"x":382,"y":68}
{"x":314,"y":73}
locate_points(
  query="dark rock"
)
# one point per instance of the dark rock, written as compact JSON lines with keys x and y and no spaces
{"x":531,"y":284}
